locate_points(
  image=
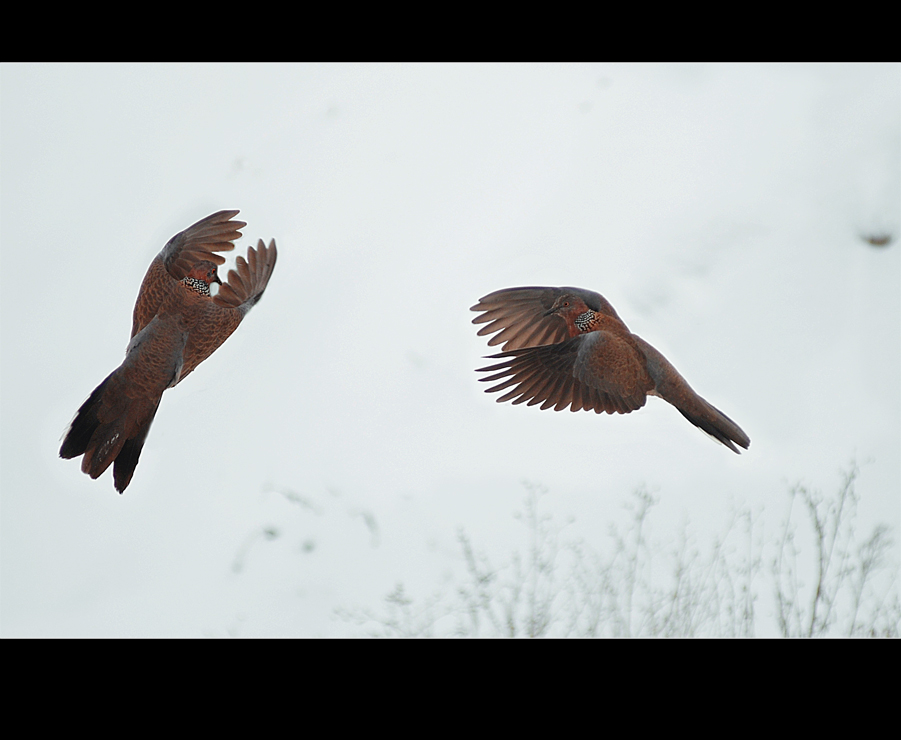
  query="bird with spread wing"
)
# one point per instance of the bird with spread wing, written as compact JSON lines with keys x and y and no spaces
{"x":177,"y":324}
{"x":568,"y":347}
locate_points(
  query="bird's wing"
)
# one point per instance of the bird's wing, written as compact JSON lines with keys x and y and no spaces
{"x":202,"y":241}
{"x":228,"y":307}
{"x":518,"y":314}
{"x":597,"y":371}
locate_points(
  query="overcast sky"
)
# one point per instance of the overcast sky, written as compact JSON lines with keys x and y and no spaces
{"x":720,"y":209}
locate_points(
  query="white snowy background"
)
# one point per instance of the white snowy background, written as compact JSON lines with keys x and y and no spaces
{"x":720,"y":209}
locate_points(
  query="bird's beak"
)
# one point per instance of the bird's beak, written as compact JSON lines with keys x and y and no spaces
{"x":216,"y":278}
{"x":551,"y":311}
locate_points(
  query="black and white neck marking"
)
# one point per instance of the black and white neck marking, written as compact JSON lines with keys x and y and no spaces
{"x":197,"y":285}
{"x":585,"y":321}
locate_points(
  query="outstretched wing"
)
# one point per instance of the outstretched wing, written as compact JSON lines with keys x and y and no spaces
{"x":202,"y":241}
{"x":246,"y":285}
{"x":596,"y":371}
{"x":235,"y":298}
{"x":519,"y":315}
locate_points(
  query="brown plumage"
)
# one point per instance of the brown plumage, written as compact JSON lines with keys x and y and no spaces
{"x":567,"y":347}
{"x":176,"y":325}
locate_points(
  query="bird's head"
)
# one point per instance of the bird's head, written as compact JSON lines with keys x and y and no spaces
{"x":200,"y":277}
{"x":567,"y":305}
{"x":206,"y":272}
{"x":573,"y":309}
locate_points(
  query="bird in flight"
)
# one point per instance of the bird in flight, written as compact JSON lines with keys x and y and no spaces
{"x":177,"y":324}
{"x":567,"y":347}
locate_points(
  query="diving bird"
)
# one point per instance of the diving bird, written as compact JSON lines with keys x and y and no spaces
{"x":177,"y":324}
{"x":568,"y":347}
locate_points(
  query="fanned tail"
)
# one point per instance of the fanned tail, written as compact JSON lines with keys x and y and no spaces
{"x":110,"y":427}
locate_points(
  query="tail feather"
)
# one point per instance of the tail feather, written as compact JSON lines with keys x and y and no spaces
{"x":110,"y":427}
{"x":714,"y":422}
{"x":673,"y":388}
{"x":85,"y":423}
{"x":128,"y":457}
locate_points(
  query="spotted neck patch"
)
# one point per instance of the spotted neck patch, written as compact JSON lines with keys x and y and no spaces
{"x":585,"y":320}
{"x":197,"y":285}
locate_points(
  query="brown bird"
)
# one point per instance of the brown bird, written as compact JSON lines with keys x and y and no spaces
{"x":567,"y":347}
{"x":177,"y":324}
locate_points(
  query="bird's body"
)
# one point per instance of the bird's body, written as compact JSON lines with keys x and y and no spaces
{"x":568,"y":347}
{"x":176,"y":325}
